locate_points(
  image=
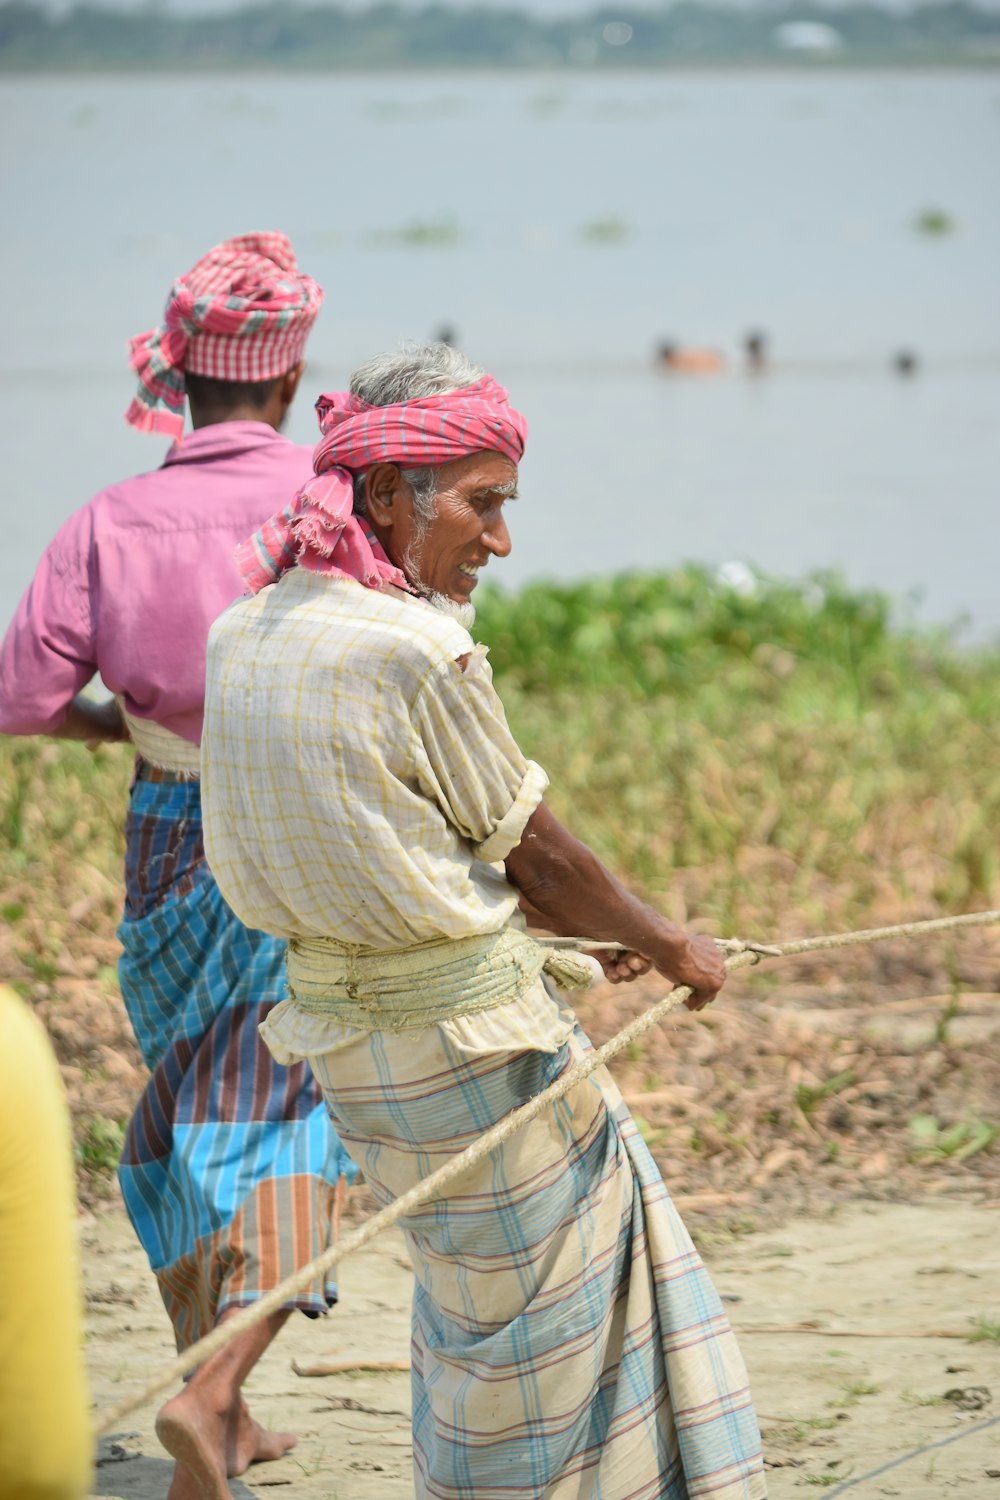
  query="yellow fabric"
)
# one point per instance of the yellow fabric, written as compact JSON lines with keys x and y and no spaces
{"x":406,"y":988}
{"x":356,"y":782}
{"x":44,"y":1432}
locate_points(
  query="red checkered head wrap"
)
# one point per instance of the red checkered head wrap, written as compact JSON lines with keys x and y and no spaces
{"x":319,"y":530}
{"x":242,"y":313}
{"x":431,"y":430}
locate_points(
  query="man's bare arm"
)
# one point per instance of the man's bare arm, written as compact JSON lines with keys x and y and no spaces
{"x":574,"y":892}
{"x":92,"y":722}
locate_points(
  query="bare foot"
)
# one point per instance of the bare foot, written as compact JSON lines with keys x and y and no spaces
{"x":196,"y":1438}
{"x":249,"y":1443}
{"x":184,"y":1486}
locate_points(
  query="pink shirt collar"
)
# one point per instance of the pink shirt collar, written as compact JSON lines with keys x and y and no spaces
{"x":221,"y":440}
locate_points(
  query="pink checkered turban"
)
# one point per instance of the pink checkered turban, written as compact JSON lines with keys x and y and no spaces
{"x":243,"y":312}
{"x":319,"y":530}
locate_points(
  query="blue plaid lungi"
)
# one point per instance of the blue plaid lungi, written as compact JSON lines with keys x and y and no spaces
{"x":230,"y":1170}
{"x":567,"y":1341}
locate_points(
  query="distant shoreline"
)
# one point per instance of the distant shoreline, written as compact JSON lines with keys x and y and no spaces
{"x":689,"y":35}
{"x":461,"y":67}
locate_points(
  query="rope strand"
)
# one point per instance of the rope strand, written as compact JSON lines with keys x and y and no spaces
{"x":741,"y":955}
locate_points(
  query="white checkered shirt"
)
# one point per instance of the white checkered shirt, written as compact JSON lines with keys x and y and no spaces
{"x":356,"y":782}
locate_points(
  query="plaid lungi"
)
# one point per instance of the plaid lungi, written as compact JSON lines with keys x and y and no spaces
{"x":567,"y":1341}
{"x":230,"y":1165}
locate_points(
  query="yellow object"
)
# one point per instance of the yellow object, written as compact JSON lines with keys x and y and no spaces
{"x":45,"y":1444}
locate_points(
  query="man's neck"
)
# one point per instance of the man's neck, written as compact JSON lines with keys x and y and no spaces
{"x":238,"y":414}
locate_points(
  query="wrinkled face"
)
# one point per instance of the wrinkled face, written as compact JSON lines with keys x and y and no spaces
{"x":445,"y":555}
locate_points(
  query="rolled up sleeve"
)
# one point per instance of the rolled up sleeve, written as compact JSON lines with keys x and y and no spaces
{"x":48,"y":653}
{"x":469,"y":762}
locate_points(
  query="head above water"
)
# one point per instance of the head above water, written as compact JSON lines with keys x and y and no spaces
{"x":232,"y":340}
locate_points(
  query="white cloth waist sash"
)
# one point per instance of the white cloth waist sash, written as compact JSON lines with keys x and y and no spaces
{"x":161,"y":747}
{"x":399,"y":989}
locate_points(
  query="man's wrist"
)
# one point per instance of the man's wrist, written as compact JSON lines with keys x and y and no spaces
{"x":672,"y":949}
{"x":113,"y":721}
{"x":90,"y":720}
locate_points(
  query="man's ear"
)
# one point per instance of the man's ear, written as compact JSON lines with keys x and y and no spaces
{"x":290,"y":383}
{"x":384,"y":485}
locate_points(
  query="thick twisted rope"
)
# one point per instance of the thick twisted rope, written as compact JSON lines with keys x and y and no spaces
{"x":741,"y":955}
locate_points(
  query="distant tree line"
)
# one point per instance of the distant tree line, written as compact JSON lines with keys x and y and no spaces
{"x":294,"y":35}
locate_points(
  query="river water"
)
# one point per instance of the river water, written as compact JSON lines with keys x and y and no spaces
{"x":564,"y":225}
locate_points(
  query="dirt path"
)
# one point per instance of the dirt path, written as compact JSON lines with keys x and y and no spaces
{"x":832,"y":1407}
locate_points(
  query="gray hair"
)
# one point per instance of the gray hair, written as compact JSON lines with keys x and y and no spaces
{"x":409,"y":374}
{"x":412,"y":372}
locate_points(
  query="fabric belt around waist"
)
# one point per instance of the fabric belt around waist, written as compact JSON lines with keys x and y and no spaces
{"x":161,"y":748}
{"x":401,"y":989}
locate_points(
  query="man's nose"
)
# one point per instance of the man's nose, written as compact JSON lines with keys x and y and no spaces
{"x":496,"y":537}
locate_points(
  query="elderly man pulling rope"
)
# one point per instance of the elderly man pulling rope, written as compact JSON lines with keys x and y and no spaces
{"x":365,"y":799}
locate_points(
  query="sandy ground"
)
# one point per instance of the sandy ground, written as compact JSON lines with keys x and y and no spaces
{"x":833,"y":1406}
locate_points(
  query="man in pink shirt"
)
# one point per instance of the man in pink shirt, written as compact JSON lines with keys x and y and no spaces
{"x":231,"y":1169}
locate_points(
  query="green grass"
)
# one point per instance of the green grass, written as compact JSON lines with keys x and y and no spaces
{"x":58,"y":801}
{"x":816,"y":1424}
{"x":807,"y":1097}
{"x":851,"y":1392}
{"x":784,"y":752}
{"x":99,"y":1144}
{"x":764,"y":764}
{"x":956,"y":1142}
{"x":769,"y":761}
{"x":61,"y":849}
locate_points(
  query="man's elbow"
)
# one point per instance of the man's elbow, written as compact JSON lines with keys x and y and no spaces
{"x":542,"y":876}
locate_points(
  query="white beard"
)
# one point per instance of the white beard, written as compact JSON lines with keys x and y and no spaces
{"x":465,"y":614}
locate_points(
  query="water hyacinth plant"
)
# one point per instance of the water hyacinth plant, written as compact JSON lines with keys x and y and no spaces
{"x":780,"y":753}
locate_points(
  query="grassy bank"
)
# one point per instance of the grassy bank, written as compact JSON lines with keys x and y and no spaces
{"x":767,"y":760}
{"x":764,"y":763}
